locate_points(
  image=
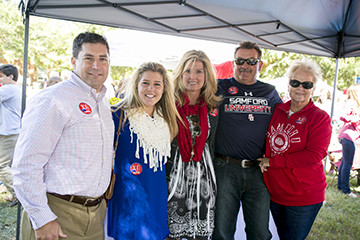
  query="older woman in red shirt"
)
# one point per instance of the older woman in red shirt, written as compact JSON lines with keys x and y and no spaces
{"x":297,"y":140}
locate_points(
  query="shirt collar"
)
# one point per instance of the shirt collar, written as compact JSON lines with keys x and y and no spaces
{"x":286,"y":106}
{"x":85,"y":87}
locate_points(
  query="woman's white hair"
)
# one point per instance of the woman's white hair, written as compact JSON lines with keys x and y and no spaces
{"x":305,"y":65}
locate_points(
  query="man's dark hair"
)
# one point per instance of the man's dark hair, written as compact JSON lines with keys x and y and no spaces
{"x":249,"y":45}
{"x":88,"y":37}
{"x":9,"y":69}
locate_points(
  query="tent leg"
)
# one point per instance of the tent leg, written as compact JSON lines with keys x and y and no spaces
{"x":333,"y":99}
{"x":25,"y":63}
{"x":334,"y":90}
{"x":23,"y":102}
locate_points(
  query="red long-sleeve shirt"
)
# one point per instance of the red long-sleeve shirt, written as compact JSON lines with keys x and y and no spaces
{"x":296,"y":146}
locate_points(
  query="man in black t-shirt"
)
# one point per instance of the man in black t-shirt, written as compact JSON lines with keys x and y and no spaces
{"x":244,"y":116}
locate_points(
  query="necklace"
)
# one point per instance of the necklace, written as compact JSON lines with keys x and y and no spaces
{"x":195,"y":131}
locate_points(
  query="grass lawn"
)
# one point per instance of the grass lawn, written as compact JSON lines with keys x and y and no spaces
{"x":338,"y":218}
{"x":7,"y":219}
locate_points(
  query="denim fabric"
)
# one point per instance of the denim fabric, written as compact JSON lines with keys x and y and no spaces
{"x":238,"y":185}
{"x":294,"y":222}
{"x":348,"y":151}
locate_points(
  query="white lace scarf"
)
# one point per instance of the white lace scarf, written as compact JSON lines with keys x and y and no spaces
{"x":153,"y":135}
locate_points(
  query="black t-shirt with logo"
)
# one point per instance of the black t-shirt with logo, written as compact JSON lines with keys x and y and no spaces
{"x":244,"y":116}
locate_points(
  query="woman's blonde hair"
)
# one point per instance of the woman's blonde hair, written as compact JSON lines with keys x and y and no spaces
{"x":354,"y":94}
{"x":165,"y":107}
{"x":209,"y":89}
{"x":327,"y":92}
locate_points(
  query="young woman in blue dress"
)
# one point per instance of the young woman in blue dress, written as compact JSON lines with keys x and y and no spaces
{"x":138,"y":208}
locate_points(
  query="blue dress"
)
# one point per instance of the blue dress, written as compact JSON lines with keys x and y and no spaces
{"x":138,"y":208}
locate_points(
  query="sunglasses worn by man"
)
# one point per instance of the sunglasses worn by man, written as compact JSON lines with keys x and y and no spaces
{"x":296,"y":83}
{"x":249,"y":61}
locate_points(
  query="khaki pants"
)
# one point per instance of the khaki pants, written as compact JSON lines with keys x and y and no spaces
{"x":7,"y":145}
{"x":76,"y":221}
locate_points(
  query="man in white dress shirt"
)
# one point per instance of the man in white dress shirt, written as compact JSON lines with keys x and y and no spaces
{"x":10,"y":114}
{"x":62,"y":160}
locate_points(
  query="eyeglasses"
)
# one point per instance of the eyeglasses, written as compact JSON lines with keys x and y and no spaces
{"x":296,"y":83}
{"x":249,"y":61}
{"x":196,"y":129}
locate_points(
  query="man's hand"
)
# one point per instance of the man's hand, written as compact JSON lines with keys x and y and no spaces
{"x":50,"y":231}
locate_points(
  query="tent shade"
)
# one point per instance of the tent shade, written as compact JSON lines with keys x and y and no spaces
{"x":315,"y":27}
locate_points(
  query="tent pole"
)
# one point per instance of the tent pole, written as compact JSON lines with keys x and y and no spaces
{"x":23,"y":102}
{"x":333,"y":100}
{"x":334,"y":90}
{"x":25,"y":63}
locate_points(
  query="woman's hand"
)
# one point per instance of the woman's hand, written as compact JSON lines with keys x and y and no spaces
{"x":264,"y":163}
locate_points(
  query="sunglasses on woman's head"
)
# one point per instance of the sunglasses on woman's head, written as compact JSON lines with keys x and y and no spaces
{"x":249,"y":61}
{"x":296,"y":83}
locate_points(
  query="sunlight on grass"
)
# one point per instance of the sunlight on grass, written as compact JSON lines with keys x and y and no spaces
{"x":339,"y":216}
{"x":337,"y":219}
{"x":7,"y":220}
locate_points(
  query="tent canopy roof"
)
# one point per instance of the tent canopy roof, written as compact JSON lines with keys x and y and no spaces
{"x":316,"y":27}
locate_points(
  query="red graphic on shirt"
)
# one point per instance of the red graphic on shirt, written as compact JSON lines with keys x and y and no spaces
{"x":135,"y":168}
{"x":214,"y":113}
{"x":301,"y":120}
{"x":85,"y":108}
{"x":233,"y":90}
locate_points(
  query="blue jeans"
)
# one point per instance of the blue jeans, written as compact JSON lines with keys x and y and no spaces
{"x":294,"y":222}
{"x":237,"y":185}
{"x":348,"y":151}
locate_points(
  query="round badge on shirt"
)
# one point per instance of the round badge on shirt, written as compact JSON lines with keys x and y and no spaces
{"x":214,"y":113}
{"x":85,"y":108}
{"x":301,"y":120}
{"x":136,"y":168}
{"x":233,"y":90}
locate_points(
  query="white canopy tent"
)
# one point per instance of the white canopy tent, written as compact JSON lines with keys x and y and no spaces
{"x":316,"y":27}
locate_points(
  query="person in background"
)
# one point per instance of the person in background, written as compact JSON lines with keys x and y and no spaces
{"x":52,"y":81}
{"x":349,"y":136}
{"x":10,"y":117}
{"x":65,"y":74}
{"x":297,"y":140}
{"x":63,"y":157}
{"x":138,"y":207}
{"x":244,"y":116}
{"x":324,"y":101}
{"x":110,"y":86}
{"x":190,"y":171}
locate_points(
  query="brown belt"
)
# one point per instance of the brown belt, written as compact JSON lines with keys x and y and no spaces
{"x":86,"y":202}
{"x":244,"y":163}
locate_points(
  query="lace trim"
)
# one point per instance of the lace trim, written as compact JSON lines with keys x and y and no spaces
{"x":153,"y":135}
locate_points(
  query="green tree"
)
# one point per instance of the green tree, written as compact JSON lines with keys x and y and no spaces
{"x":11,"y":33}
{"x":119,"y":73}
{"x":276,"y":63}
{"x":50,"y":41}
